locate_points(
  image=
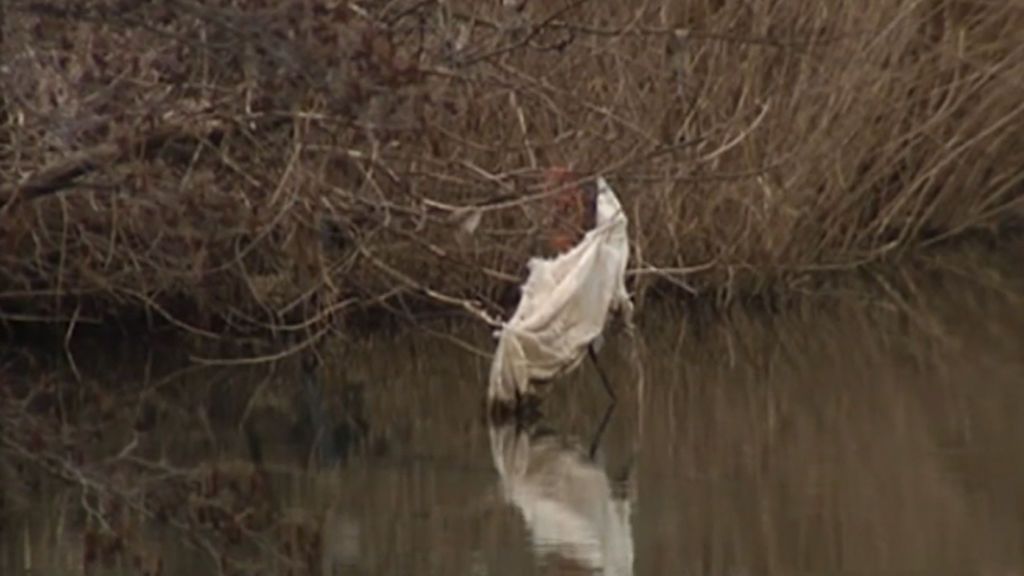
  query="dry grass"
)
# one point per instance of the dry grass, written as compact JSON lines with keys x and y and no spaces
{"x":267,"y":165}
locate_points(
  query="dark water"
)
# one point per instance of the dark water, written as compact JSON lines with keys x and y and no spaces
{"x":871,"y":427}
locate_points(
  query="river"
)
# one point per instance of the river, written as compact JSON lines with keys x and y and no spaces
{"x":871,"y":425}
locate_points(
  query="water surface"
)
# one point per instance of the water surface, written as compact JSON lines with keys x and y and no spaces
{"x":870,"y":427}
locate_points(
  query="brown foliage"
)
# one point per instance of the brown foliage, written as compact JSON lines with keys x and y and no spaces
{"x":264,"y":165}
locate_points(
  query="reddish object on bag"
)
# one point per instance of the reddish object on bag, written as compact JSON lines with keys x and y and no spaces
{"x":573,"y":208}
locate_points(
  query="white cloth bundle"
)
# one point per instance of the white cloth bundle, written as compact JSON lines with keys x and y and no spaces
{"x":564,"y":306}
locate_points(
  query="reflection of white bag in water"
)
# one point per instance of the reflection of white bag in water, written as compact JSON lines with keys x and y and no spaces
{"x":564,"y":305}
{"x":566,"y":501}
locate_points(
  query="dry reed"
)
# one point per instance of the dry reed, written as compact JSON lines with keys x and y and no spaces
{"x":268,"y":165}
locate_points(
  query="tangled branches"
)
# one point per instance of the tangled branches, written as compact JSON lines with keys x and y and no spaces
{"x":269,"y":167}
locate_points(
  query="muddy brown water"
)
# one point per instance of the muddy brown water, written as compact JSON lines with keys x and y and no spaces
{"x":872,"y":427}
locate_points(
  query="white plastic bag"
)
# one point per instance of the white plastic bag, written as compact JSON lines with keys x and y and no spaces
{"x":564,"y":306}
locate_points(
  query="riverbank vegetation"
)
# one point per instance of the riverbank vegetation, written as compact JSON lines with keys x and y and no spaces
{"x":273,"y":167}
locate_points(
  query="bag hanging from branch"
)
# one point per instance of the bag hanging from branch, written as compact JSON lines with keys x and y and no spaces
{"x":565,"y":304}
